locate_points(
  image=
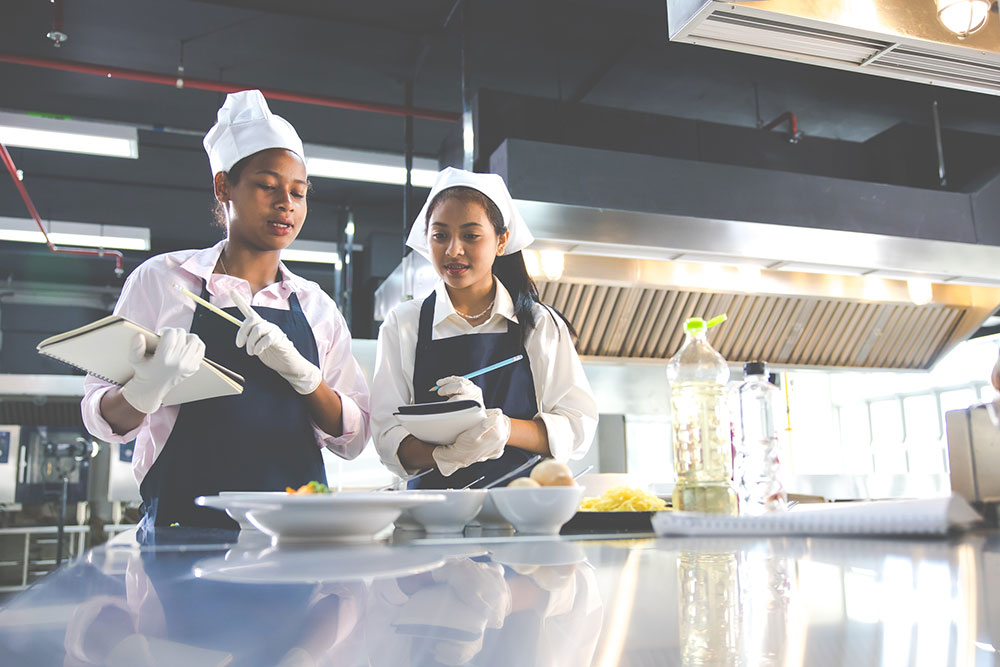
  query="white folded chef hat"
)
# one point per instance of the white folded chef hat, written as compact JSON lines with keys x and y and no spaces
{"x":246,"y":126}
{"x":492,"y":186}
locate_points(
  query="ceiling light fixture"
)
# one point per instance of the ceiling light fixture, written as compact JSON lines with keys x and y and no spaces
{"x":51,"y":133}
{"x":963,"y":17}
{"x":353,"y":165}
{"x":86,"y":234}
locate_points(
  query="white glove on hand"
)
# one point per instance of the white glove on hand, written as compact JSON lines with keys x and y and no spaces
{"x":458,"y":388}
{"x":177,"y":356}
{"x":269,"y":343}
{"x":483,"y":441}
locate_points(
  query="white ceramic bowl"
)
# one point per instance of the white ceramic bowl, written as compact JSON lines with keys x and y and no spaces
{"x":538,"y":510}
{"x":459,"y":508}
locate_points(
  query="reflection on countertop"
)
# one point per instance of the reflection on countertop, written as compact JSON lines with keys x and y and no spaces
{"x":217,"y":598}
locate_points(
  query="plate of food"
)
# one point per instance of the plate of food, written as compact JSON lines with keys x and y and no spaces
{"x":619,"y":509}
{"x":318,"y":516}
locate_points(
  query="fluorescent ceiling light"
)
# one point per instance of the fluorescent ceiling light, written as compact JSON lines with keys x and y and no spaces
{"x":88,"y":235}
{"x":69,"y":136}
{"x":352,"y":165}
{"x":315,"y":252}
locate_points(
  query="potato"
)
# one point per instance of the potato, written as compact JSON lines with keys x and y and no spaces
{"x":523,"y":482}
{"x":552,"y":473}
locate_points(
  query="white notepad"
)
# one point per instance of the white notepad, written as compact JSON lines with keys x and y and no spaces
{"x":926,"y":516}
{"x":101,"y":349}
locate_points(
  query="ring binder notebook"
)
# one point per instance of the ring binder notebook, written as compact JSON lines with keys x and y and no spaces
{"x":101,"y":349}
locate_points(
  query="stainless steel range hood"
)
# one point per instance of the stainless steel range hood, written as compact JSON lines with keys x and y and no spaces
{"x":812,"y":271}
{"x":901,"y":39}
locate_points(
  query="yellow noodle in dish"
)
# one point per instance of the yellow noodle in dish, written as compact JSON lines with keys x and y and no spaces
{"x":623,"y":499}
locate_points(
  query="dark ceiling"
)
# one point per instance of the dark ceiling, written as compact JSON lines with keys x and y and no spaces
{"x":612,"y":53}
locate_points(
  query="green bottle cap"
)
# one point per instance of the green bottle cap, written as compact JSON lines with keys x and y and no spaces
{"x":696,"y":325}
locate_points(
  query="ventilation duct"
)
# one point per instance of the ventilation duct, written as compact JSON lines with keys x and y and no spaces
{"x":901,"y":39}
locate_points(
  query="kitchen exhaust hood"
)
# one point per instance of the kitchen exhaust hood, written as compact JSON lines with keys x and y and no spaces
{"x":812,"y":271}
{"x":901,"y":39}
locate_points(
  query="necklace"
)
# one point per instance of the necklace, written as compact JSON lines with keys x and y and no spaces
{"x":476,"y":317}
{"x":223,"y":263}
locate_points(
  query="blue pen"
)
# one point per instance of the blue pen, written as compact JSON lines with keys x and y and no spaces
{"x":492,"y":367}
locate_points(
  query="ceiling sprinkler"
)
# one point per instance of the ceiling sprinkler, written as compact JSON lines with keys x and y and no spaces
{"x":57,"y":37}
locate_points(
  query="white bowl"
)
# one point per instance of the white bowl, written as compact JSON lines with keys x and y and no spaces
{"x":538,"y":510}
{"x":490,"y":518}
{"x":459,"y":508}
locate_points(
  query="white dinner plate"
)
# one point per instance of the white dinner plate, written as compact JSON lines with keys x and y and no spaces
{"x":347,"y":516}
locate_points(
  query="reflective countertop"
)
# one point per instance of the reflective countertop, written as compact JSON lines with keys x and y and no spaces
{"x":204,"y":598}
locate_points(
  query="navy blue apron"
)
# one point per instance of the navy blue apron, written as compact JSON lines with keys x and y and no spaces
{"x":510,"y":388}
{"x":260,"y":440}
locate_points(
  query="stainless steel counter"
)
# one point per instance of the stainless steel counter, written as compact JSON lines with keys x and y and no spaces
{"x":203,"y":598}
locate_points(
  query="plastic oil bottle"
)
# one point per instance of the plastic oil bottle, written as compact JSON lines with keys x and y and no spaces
{"x":758,"y":473}
{"x":703,"y":455}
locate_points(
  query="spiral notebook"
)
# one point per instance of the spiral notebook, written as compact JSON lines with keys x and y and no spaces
{"x":101,"y":349}
{"x":924,"y":516}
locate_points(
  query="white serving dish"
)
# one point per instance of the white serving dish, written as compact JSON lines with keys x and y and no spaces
{"x":441,"y":428}
{"x":459,"y":508}
{"x":352,"y":516}
{"x":538,"y":510}
{"x":238,"y":513}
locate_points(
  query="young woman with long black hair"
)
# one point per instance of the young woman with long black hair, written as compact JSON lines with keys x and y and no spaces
{"x":484,"y":310}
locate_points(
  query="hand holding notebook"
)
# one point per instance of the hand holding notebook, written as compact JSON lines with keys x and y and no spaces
{"x":104,"y":349}
{"x":177,"y":357}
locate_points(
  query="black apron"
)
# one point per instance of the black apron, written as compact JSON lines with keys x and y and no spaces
{"x":510,"y":388}
{"x":260,"y":440}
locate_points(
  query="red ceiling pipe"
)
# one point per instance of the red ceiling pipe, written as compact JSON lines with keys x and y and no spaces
{"x":101,"y":252}
{"x":220,"y":87}
{"x":793,"y":124}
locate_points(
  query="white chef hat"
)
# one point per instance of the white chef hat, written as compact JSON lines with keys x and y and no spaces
{"x":492,"y":186}
{"x":246,"y":126}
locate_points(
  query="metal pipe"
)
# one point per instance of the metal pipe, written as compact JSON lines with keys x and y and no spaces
{"x":348,"y":270}
{"x":468,"y":130}
{"x":942,"y":175}
{"x":101,"y":252}
{"x":220,"y":87}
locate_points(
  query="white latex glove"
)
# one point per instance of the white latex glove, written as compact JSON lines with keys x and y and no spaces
{"x":479,"y":585}
{"x":178,"y":355}
{"x":458,"y":388}
{"x":483,"y":441}
{"x":266,"y":341}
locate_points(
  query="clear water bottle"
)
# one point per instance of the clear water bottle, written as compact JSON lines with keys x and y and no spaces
{"x":758,"y":471}
{"x":703,"y":459}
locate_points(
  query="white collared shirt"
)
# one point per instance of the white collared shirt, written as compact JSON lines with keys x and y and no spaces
{"x":565,"y":402}
{"x":149,"y":299}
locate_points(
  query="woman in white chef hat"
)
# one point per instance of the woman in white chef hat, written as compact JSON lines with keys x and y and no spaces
{"x":484,"y":310}
{"x":303,"y":389}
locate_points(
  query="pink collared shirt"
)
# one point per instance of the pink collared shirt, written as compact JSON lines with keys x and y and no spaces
{"x":149,"y":299}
